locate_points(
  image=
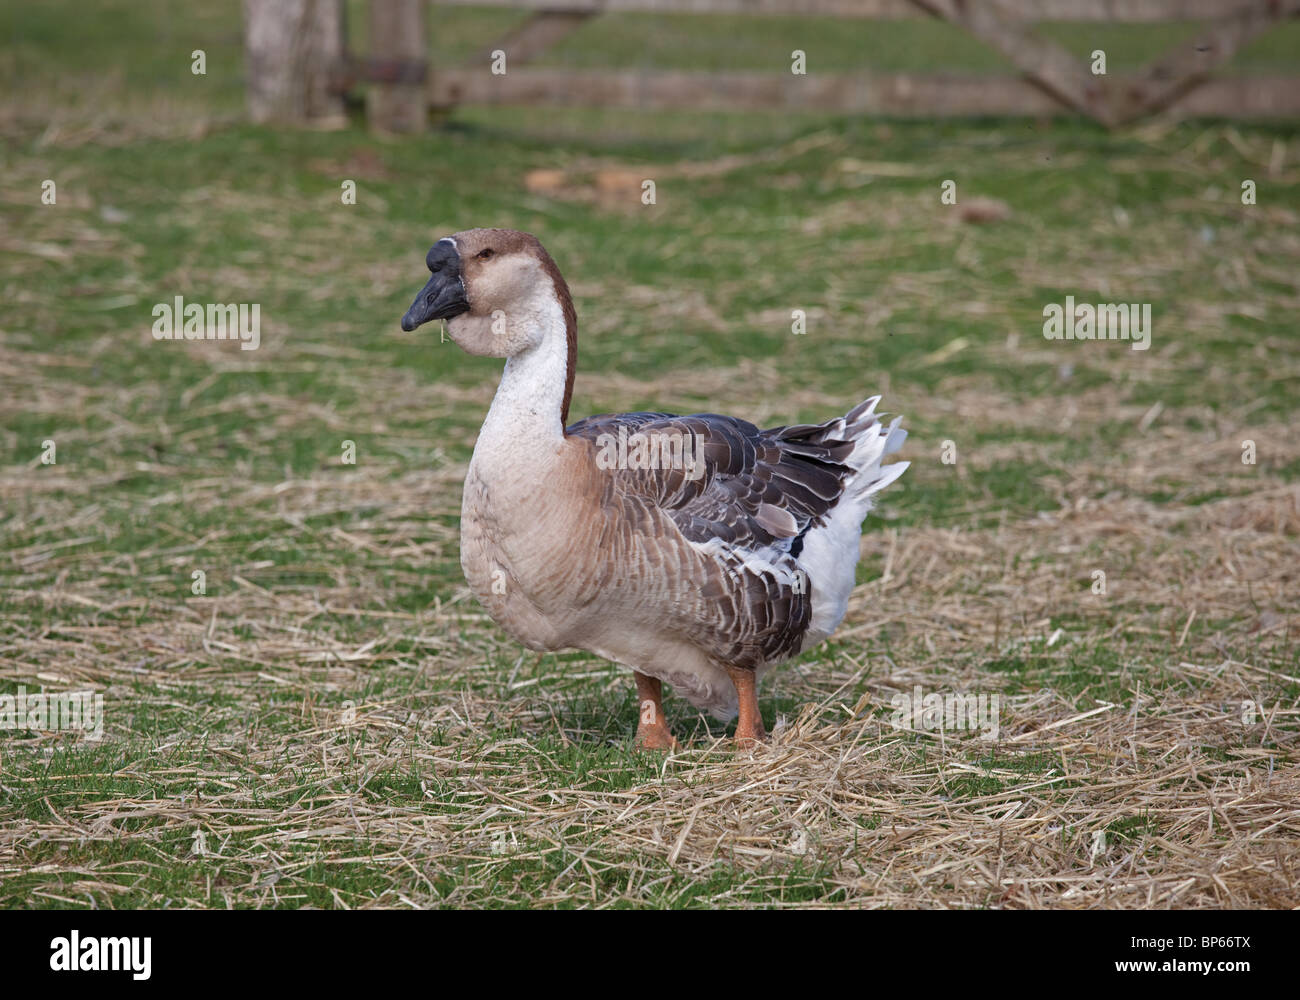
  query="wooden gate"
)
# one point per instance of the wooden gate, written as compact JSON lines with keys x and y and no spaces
{"x":1048,"y":79}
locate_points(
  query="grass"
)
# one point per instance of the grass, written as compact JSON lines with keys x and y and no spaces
{"x":334,"y":722}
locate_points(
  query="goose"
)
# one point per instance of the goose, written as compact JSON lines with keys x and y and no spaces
{"x":696,"y":550}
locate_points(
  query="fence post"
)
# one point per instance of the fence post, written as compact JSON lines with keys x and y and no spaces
{"x":396,"y":99}
{"x":292,"y":52}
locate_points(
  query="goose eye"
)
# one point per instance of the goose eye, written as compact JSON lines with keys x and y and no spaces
{"x":485,"y":254}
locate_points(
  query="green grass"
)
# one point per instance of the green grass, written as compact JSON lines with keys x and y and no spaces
{"x":338,"y":718}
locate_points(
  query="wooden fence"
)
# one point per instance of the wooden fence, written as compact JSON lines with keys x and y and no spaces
{"x":1048,"y":79}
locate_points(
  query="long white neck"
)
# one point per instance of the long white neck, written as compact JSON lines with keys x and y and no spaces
{"x":523,"y":426}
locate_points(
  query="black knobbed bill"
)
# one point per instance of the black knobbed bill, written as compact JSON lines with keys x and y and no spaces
{"x":444,"y":296}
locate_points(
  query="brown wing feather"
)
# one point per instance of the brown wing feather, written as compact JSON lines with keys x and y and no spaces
{"x":758,"y":493}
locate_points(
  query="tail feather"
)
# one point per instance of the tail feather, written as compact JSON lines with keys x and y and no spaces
{"x":859,"y":440}
{"x":873,"y":446}
{"x":830,"y":552}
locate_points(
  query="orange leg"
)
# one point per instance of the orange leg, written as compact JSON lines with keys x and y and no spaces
{"x":652,"y":731}
{"x":749,"y":728}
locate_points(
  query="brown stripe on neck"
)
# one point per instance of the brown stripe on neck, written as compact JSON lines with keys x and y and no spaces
{"x":570,"y":329}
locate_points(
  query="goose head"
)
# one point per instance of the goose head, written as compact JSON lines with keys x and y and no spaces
{"x":498,"y":289}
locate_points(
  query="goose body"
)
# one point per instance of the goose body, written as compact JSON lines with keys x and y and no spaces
{"x":697,"y":550}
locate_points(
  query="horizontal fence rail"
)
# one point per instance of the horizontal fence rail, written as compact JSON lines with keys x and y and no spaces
{"x":901,"y":94}
{"x":1116,"y":11}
